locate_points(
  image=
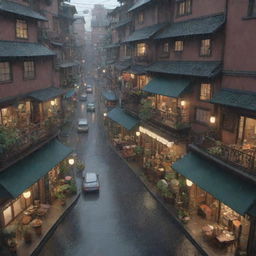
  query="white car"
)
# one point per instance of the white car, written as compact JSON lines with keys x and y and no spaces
{"x":91,"y":182}
{"x":82,"y":125}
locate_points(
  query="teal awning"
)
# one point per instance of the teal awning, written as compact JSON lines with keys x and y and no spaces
{"x":226,"y":187}
{"x":235,"y":98}
{"x":109,"y":95}
{"x":46,"y":94}
{"x":120,"y":117}
{"x":167,"y":87}
{"x":69,"y":94}
{"x":20,"y":176}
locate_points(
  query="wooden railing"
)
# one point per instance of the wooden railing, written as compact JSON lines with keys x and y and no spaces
{"x":231,"y":154}
{"x":174,"y":120}
{"x":28,"y":138}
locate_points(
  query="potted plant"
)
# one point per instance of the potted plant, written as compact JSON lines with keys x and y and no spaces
{"x":37,"y":225}
{"x":60,"y":195}
{"x":183,"y":215}
{"x":8,"y":238}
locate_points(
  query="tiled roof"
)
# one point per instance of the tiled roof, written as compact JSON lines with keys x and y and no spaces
{"x":200,"y":26}
{"x":187,"y":68}
{"x":122,"y":23}
{"x":10,"y":49}
{"x":111,"y":46}
{"x":138,"y":4}
{"x":235,"y":98}
{"x":144,"y":33}
{"x":19,"y":9}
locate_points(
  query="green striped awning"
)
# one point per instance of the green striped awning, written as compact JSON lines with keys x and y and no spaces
{"x":233,"y":191}
{"x":167,"y":87}
{"x":120,"y":117}
{"x":20,"y":176}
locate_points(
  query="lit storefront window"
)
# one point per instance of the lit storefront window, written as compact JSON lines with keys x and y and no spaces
{"x":141,"y":49}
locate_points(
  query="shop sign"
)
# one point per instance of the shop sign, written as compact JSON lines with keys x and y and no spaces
{"x":155,"y":136}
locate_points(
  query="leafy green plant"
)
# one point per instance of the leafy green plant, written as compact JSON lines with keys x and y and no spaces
{"x":215,"y":150}
{"x":146,"y":110}
{"x":138,"y":150}
{"x":8,"y":137}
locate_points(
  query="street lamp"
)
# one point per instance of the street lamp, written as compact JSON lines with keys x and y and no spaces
{"x":26,"y":194}
{"x":71,"y":161}
{"x":189,"y":182}
{"x":212,"y":119}
{"x":52,"y":102}
{"x":105,"y":114}
{"x":104,"y":71}
{"x":138,"y":134}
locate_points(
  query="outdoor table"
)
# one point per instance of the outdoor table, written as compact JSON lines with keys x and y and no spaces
{"x":225,"y":237}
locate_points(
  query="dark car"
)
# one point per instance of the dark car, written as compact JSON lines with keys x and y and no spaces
{"x":90,"y":107}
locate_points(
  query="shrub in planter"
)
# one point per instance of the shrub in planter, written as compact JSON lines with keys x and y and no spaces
{"x":27,"y":233}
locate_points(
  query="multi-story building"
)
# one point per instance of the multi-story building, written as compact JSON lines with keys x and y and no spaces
{"x":30,"y":106}
{"x":186,"y":73}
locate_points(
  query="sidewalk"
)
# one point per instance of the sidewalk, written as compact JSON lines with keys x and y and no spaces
{"x":193,"y":238}
{"x":55,"y":215}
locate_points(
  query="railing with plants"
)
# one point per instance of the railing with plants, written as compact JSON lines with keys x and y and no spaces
{"x":15,"y":140}
{"x":232,"y":154}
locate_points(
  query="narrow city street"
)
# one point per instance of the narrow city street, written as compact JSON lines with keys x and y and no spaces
{"x":123,"y":219}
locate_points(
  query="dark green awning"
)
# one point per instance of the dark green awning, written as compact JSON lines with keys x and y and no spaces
{"x":17,"y":178}
{"x":46,"y":94}
{"x":226,"y":187}
{"x":144,"y":33}
{"x":187,"y":68}
{"x":200,"y":26}
{"x":10,"y":49}
{"x":235,"y":98}
{"x":167,"y":87}
{"x":138,"y":4}
{"x":109,"y":95}
{"x":120,"y":117}
{"x":19,"y":9}
{"x":69,"y":94}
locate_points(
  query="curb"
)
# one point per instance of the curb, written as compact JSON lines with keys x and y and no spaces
{"x":54,"y":226}
{"x":176,"y":220}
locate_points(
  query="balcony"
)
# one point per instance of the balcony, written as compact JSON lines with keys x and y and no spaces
{"x":234,"y":155}
{"x":143,"y":59}
{"x":16,"y":143}
{"x":176,"y":120}
{"x":45,"y":34}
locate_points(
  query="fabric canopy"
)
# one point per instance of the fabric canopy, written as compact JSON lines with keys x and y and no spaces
{"x":167,"y":87}
{"x":120,"y":117}
{"x":235,"y":98}
{"x":226,"y":187}
{"x":46,"y":94}
{"x":70,"y":93}
{"x":109,"y":95}
{"x":20,"y":176}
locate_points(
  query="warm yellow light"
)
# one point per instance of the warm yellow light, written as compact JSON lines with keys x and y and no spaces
{"x":71,"y":161}
{"x":132,"y":76}
{"x":104,"y":70}
{"x":105,"y":114}
{"x":26,"y":194}
{"x":189,"y":183}
{"x":84,"y":84}
{"x":212,"y":119}
{"x":183,"y":103}
{"x":137,"y":134}
{"x":52,"y":102}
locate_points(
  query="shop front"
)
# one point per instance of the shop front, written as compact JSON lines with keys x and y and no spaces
{"x":28,"y":188}
{"x":159,"y":152}
{"x":218,"y":205}
{"x":122,"y":132}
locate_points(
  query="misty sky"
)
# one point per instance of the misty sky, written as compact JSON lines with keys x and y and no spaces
{"x":88,"y":5}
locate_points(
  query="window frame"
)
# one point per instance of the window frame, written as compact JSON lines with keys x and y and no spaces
{"x":16,"y":29}
{"x":211,"y":91}
{"x":199,"y":121}
{"x":10,"y":72}
{"x":251,"y":8}
{"x":203,"y":54}
{"x":186,"y":4}
{"x":176,"y":50}
{"x":141,"y":17}
{"x":127,"y":49}
{"x":145,"y":53}
{"x":24,"y":71}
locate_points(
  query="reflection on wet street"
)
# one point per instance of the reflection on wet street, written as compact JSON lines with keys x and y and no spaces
{"x":123,"y":219}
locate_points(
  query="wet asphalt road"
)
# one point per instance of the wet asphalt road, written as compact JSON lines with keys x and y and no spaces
{"x":123,"y":219}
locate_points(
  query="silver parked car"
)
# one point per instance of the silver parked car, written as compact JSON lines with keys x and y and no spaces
{"x":82,"y":125}
{"x":91,"y":182}
{"x":90,"y":107}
